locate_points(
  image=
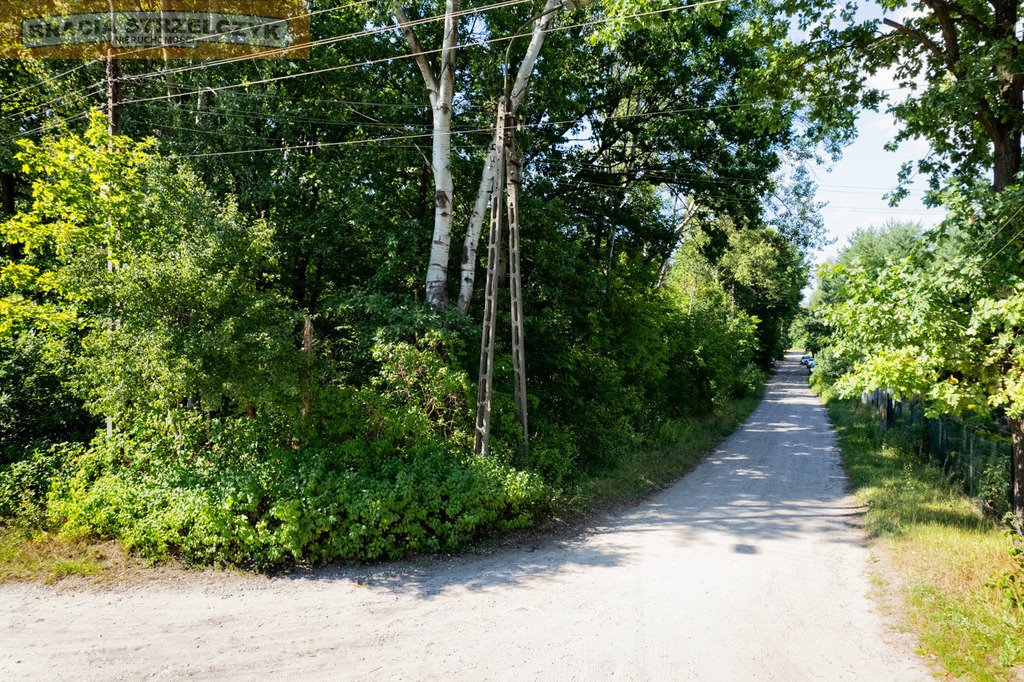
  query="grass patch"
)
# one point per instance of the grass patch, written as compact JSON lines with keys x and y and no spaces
{"x":27,"y":554}
{"x":941,"y":545}
{"x":684,"y":443}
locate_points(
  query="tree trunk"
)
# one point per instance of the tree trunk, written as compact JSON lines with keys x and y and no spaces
{"x":1017,"y":476}
{"x":1006,"y":157}
{"x":307,"y":351}
{"x":421,"y":203}
{"x":440,"y":244}
{"x":472,"y":241}
{"x":440,"y":91}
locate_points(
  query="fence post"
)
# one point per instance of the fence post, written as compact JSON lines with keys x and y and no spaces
{"x":970,"y":467}
{"x":942,"y":441}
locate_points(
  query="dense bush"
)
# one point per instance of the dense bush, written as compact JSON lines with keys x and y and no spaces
{"x":35,"y":406}
{"x":26,"y":483}
{"x":239,"y":501}
{"x":828,"y":369}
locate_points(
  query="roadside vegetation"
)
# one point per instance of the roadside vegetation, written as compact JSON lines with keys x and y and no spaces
{"x":240,"y":309}
{"x":883,"y":317}
{"x":233,"y":442}
{"x":951,"y":560}
{"x":933,"y":319}
{"x":927,"y":317}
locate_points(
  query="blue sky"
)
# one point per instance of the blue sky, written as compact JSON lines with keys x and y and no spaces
{"x":855,"y":185}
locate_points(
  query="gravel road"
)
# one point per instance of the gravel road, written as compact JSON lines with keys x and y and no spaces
{"x":753,"y":566}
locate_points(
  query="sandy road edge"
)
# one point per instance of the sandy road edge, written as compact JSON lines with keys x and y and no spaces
{"x":888,"y":586}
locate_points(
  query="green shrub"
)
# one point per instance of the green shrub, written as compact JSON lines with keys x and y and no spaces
{"x":276,"y":401}
{"x":554,"y":455}
{"x":25,"y":483}
{"x":34,"y":405}
{"x":994,"y":487}
{"x":245,"y":504}
{"x":675,"y":431}
{"x":1011,"y":583}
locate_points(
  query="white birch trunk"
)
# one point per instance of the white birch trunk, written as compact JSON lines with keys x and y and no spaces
{"x":517,"y":96}
{"x":440,"y":91}
{"x":440,"y":244}
{"x":475,"y":226}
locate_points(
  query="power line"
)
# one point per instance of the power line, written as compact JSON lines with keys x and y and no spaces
{"x":489,"y":129}
{"x":719,"y":195}
{"x":208,"y":131}
{"x":1008,"y":241}
{"x":85,"y":92}
{"x":389,"y":59}
{"x":863,"y":209}
{"x":646,"y":114}
{"x":28,"y":88}
{"x":288,"y":118}
{"x":229,"y":133}
{"x":427,"y":52}
{"x":435,"y":18}
{"x":839,"y":189}
{"x":329,"y":41}
{"x":851,"y":189}
{"x":540,"y":124}
{"x":48,"y":124}
{"x":998,"y":231}
{"x":51,"y":102}
{"x":319,"y":145}
{"x":412,"y":55}
{"x":325,"y":100}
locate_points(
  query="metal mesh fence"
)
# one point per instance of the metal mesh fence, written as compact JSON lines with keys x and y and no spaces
{"x":979,"y":457}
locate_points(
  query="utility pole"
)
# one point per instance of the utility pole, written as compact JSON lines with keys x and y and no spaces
{"x":113,"y":128}
{"x":485,"y":389}
{"x":504,"y":209}
{"x":515,"y":284}
{"x":507,"y":176}
{"x":113,"y":79}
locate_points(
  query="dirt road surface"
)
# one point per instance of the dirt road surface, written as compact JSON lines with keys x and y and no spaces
{"x":751,"y":567}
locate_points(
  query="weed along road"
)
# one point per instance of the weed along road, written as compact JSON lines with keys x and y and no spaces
{"x":751,"y":567}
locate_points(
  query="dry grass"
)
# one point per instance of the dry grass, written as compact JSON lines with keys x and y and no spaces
{"x":943,"y":549}
{"x":38,"y":556}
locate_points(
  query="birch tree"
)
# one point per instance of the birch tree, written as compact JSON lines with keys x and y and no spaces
{"x":440,"y":86}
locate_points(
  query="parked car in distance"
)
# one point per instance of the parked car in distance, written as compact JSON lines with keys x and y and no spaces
{"x":804,"y":359}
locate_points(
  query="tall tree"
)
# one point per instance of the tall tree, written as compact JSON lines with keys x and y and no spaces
{"x":963,"y":60}
{"x":517,"y":91}
{"x":440,"y":86}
